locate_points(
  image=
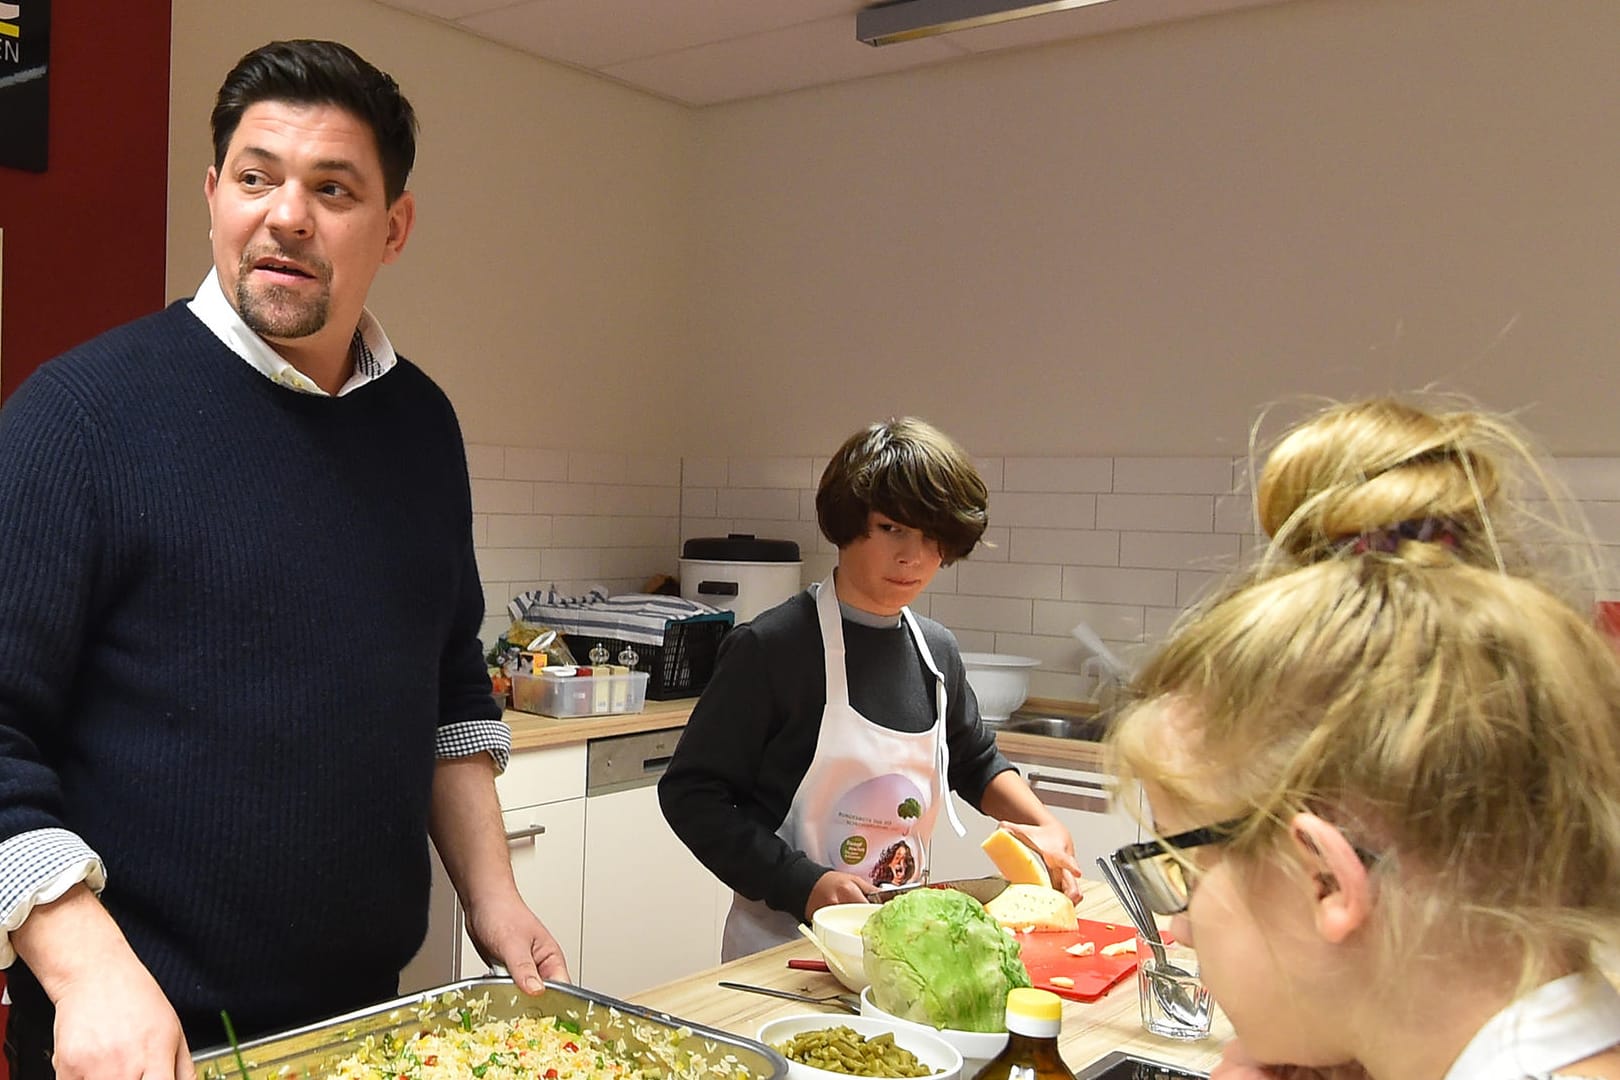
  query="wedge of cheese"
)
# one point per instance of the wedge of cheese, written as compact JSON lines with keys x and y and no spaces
{"x":1031,"y":908}
{"x":1016,"y":861}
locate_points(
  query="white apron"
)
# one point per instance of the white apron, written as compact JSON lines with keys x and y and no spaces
{"x":867,"y":803}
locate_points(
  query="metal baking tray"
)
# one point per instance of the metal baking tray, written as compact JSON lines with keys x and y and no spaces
{"x":1122,"y":1066}
{"x":311,"y":1051}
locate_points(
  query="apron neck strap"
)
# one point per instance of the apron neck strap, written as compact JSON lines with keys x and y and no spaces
{"x":832,"y":642}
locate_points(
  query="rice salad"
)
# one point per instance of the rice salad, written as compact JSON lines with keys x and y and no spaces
{"x":467,"y":1044}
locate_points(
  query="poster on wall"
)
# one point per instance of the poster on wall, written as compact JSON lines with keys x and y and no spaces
{"x":25,"y":52}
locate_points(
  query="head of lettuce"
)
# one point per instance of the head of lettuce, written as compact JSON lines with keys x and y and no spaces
{"x":935,"y":957}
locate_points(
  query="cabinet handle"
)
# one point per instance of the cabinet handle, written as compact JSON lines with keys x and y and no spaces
{"x":1072,"y":794}
{"x":525,"y":834}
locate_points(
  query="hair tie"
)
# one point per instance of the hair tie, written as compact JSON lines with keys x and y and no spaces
{"x":1426,"y":530}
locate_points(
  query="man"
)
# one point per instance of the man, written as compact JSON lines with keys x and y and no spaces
{"x":240,"y":681}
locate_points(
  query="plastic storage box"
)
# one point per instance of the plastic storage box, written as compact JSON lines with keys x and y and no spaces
{"x":680,"y":667}
{"x":566,"y":696}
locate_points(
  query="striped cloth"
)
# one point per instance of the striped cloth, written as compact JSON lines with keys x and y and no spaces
{"x":637,"y":617}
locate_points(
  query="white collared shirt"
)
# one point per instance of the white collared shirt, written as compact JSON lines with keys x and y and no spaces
{"x":1552,"y":1026}
{"x":373,"y":353}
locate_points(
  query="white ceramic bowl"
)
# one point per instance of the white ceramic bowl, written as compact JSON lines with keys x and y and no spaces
{"x":1001,"y":683}
{"x":976,"y":1047}
{"x":930,"y":1049}
{"x":838,"y":926}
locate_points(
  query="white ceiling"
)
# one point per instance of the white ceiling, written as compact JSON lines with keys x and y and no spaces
{"x":704,"y":52}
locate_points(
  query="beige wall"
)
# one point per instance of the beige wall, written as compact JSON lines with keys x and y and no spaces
{"x":1116,"y":246}
{"x":542,"y":287}
{"x":1126,"y":245}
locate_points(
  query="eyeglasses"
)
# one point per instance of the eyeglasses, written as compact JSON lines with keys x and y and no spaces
{"x":1157,"y":872}
{"x":1163,"y":878}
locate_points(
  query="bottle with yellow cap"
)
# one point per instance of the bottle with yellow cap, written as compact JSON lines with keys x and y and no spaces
{"x":1034,"y":1018}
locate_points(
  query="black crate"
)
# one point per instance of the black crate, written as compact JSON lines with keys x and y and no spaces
{"x":680,"y":667}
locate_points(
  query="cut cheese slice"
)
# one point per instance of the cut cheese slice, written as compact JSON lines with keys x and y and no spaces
{"x":1032,"y":908}
{"x":1017,"y":862}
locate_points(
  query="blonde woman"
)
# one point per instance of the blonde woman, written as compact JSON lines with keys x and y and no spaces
{"x":1385,"y":770}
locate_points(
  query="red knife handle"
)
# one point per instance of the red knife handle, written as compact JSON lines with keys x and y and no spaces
{"x":814,"y":964}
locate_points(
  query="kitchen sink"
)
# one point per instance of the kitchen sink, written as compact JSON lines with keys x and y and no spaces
{"x":1085,"y":728}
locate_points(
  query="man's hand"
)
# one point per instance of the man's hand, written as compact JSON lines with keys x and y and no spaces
{"x":117,"y":1024}
{"x":1057,"y":848}
{"x":1236,"y":1064}
{"x":112,"y":1020}
{"x":511,"y":935}
{"x":834,"y":887}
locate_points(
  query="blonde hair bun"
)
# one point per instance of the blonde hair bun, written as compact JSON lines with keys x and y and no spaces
{"x":1368,"y":467}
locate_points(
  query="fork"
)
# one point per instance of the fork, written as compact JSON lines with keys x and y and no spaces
{"x":847,"y":1002}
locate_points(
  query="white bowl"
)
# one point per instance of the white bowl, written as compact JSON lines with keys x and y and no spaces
{"x":1001,"y":683}
{"x":930,"y":1049}
{"x":838,"y":926}
{"x":976,"y":1047}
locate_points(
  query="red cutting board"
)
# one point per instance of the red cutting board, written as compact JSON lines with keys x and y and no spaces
{"x":1044,"y":956}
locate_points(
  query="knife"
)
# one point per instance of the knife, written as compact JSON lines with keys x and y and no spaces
{"x":982,"y":889}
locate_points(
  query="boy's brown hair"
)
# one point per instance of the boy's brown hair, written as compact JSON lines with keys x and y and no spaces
{"x":912,"y":472}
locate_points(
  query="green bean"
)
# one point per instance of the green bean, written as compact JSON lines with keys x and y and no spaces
{"x":843,"y":1050}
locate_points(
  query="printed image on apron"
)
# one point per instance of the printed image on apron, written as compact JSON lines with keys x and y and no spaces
{"x":873,"y":830}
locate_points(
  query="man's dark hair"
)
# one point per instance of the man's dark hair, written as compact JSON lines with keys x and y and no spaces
{"x":911,"y":472}
{"x":309,"y":72}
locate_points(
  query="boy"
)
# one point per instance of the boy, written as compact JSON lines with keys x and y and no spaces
{"x":835,"y":722}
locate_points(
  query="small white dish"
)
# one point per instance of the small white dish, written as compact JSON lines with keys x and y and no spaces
{"x":838,"y":931}
{"x":976,"y":1047}
{"x":929,"y":1048}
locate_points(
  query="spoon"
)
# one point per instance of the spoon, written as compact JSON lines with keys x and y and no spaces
{"x":1179,"y":1002}
{"x":846,"y":1002}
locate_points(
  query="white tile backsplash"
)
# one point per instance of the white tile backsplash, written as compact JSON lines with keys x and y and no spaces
{"x":527,"y":464}
{"x":1112,"y":622}
{"x":1010,"y":579}
{"x":1176,"y":513}
{"x":700,"y":502}
{"x":704,"y":472}
{"x":1179,"y":551}
{"x":772,"y":504}
{"x":656,"y":471}
{"x":598,"y":468}
{"x":771,"y":472}
{"x":1235,"y":514}
{"x":1173,"y":475}
{"x":1054,"y":511}
{"x":1058,"y":474}
{"x":519,"y":531}
{"x":1108,"y":585}
{"x":485,"y":462}
{"x":1000,"y":613}
{"x":502,"y":496}
{"x":1122,"y":544}
{"x":637,"y":500}
{"x":1086,"y":547}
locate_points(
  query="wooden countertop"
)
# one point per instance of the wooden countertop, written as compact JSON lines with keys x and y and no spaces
{"x":532,"y":732}
{"x":1090,"y":1030}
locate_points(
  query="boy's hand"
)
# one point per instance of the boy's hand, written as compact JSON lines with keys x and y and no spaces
{"x":838,"y":888}
{"x":1057,"y":848}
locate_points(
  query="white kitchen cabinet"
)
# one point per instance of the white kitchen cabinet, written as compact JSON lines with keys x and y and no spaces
{"x":1077,"y":797}
{"x":650,"y":906}
{"x":547,"y":845}
{"x":542,"y":797}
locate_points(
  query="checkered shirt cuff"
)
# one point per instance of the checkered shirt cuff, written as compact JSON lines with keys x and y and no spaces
{"x":38,"y":867}
{"x":469,"y":737}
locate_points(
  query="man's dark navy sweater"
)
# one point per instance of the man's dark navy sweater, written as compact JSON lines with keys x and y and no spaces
{"x":232,"y":618}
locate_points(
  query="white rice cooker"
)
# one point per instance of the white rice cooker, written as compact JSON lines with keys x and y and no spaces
{"x":740,"y":573}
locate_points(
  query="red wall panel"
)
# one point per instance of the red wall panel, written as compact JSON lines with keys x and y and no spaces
{"x":84,"y":240}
